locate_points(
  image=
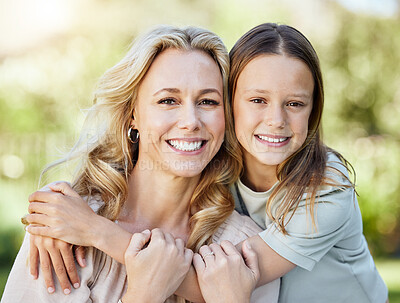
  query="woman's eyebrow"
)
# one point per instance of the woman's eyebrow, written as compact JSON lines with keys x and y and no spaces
{"x":209,"y":90}
{"x":167,"y":89}
{"x":177,"y":91}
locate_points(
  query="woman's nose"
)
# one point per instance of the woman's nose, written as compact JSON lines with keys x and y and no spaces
{"x":189,"y":118}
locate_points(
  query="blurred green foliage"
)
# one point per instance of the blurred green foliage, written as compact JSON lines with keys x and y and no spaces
{"x":44,"y":84}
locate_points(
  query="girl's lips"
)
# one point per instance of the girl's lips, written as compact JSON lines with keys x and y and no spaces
{"x":273,"y":140}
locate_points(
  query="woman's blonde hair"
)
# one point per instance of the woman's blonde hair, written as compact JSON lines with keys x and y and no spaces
{"x":304,"y":171}
{"x":108,"y":157}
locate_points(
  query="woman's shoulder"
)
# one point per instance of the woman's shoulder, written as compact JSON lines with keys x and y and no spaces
{"x":236,"y":228}
{"x":95,"y":202}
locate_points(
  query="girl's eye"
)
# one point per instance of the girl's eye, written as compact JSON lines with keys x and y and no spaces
{"x":295,"y":104}
{"x":167,"y":101}
{"x":257,"y":100}
{"x":208,"y":102}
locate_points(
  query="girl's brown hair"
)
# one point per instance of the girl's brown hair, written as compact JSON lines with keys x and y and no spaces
{"x":304,"y":171}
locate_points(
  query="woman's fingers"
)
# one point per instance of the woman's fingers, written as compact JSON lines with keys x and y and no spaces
{"x":70,"y":266}
{"x":59,"y":269}
{"x":80,"y":253}
{"x":33,"y":258}
{"x":251,"y":260}
{"x":229,"y":248}
{"x":198,"y":263}
{"x":45,"y":266}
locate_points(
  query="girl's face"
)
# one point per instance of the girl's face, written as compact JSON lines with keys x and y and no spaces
{"x":272,"y":105}
{"x":179,"y":113}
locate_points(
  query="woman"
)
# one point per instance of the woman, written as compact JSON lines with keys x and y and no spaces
{"x":161,"y":159}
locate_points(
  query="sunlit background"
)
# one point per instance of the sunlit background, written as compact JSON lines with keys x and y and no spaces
{"x":53,"y":51}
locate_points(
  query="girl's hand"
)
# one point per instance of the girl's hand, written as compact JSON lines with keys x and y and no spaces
{"x":58,"y":255}
{"x":157,"y":270}
{"x":62,"y":214}
{"x":223,"y":275}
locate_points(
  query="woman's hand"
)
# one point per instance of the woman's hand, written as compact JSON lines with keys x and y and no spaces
{"x":59,"y":255}
{"x":62,"y":214}
{"x":223,"y":275}
{"x":156,"y":271}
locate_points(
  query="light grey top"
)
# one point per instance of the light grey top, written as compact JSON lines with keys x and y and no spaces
{"x":105,"y":280}
{"x":333,"y":261}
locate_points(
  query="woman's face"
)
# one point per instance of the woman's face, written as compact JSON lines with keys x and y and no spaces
{"x":272,"y":105}
{"x":179,"y":113}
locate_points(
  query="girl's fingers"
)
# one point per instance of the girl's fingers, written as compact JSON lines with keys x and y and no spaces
{"x":180,"y":245}
{"x":169,"y":239}
{"x":188,"y":255}
{"x":44,"y":196}
{"x":39,"y":207}
{"x":70,"y":266}
{"x":33,"y":259}
{"x":64,"y":188}
{"x":45,"y":266}
{"x":157,"y":234}
{"x":138,"y":241}
{"x":39,"y":230}
{"x":39,"y":219}
{"x":80,"y":252}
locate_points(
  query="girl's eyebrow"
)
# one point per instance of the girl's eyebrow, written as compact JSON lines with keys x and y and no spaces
{"x":263,"y":91}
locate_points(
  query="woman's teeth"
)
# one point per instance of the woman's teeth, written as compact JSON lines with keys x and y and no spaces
{"x":185,"y":146}
{"x":272,"y":140}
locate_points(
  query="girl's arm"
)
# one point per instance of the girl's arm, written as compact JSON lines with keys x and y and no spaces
{"x":271,"y":264}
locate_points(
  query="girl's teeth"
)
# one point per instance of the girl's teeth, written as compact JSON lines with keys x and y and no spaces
{"x":273,"y":140}
{"x":185,"y":146}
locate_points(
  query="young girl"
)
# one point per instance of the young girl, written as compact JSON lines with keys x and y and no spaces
{"x":292,"y":185}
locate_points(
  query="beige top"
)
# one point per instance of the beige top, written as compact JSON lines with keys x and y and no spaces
{"x":105,"y":280}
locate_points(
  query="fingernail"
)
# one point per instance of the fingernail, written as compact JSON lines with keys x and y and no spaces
{"x":67,"y":291}
{"x":34,"y":277}
{"x":50,"y":290}
{"x":146,"y":231}
{"x":76,"y":285}
{"x":248,"y":245}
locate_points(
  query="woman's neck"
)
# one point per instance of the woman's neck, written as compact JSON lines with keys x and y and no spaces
{"x":258,"y":176}
{"x":158,"y":199}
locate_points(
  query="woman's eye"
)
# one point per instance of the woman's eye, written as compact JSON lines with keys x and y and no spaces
{"x":208,"y":102}
{"x":167,"y":101}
